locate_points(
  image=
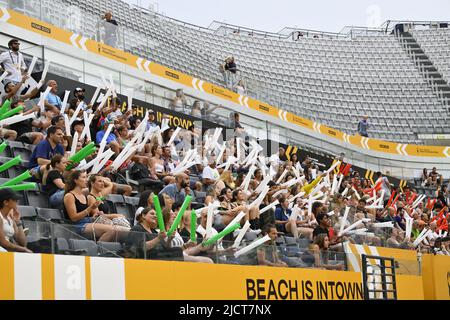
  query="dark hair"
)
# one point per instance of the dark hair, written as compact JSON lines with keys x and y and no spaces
{"x":267,"y":227}
{"x":362,"y":200}
{"x":315,"y":206}
{"x":223,"y":192}
{"x":165,"y":135}
{"x":52,"y":130}
{"x":143,"y":199}
{"x":133,"y":121}
{"x":54,"y":161}
{"x":70,"y":183}
{"x":92,"y":179}
{"x":141,"y":215}
{"x":235,"y":194}
{"x":320,"y":217}
{"x":12,"y":41}
{"x":55,"y":119}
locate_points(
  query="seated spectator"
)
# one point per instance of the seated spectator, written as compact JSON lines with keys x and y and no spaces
{"x":156,"y":244}
{"x":12,"y":237}
{"x":177,"y":191}
{"x":157,"y":169}
{"x":46,"y":149}
{"x":267,"y":254}
{"x":25,"y":130}
{"x":53,"y":102}
{"x":111,"y":140}
{"x":78,"y":210}
{"x":210,"y":173}
{"x":53,"y":180}
{"x":435,"y":177}
{"x":319,"y":249}
{"x":99,"y":188}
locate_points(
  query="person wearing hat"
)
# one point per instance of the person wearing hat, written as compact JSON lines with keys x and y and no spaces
{"x":13,"y":63}
{"x":12,"y":237}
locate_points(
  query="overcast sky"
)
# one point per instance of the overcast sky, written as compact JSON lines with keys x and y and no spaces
{"x":324,"y":15}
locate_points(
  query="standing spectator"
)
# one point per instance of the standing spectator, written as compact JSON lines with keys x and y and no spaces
{"x":179,"y":102}
{"x":47,"y":148}
{"x":12,"y":62}
{"x":435,"y":177}
{"x":239,"y":87}
{"x":385,"y":185}
{"x":12,"y":237}
{"x":228,"y":69}
{"x":363,"y":125}
{"x":111,"y":28}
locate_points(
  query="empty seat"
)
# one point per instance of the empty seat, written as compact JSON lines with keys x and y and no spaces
{"x":27,"y":212}
{"x":109,"y":248}
{"x":48,"y":214}
{"x":37,"y":199}
{"x":88,"y":245}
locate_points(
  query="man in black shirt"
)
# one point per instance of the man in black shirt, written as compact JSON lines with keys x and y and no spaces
{"x":111,"y":27}
{"x":324,"y":224}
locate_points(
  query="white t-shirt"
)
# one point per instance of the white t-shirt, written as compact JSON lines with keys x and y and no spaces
{"x":209,"y":173}
{"x":13,"y":63}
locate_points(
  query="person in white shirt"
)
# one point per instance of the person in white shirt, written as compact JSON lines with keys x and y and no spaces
{"x":13,"y":63}
{"x":210,"y":173}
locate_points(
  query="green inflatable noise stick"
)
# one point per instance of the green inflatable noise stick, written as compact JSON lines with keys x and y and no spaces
{"x":11,"y":163}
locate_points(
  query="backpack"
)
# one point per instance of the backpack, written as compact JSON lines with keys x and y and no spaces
{"x":139,"y":171}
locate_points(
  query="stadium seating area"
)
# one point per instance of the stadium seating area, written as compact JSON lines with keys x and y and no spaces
{"x":332,"y":81}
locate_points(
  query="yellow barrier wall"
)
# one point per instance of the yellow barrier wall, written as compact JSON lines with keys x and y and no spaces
{"x":436,"y":277}
{"x":60,"y":277}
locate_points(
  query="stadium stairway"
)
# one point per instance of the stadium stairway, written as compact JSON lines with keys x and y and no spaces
{"x":434,"y":78}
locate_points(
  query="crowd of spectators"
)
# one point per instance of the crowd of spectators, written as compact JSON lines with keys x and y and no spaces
{"x":280,"y":196}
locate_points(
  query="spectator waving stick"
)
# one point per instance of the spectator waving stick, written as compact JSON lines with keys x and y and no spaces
{"x":333,"y":166}
{"x":159,"y":214}
{"x":123,"y":156}
{"x":344,"y":220}
{"x":22,"y":186}
{"x":99,"y":165}
{"x":356,"y":193}
{"x":260,"y":198}
{"x":147,"y":137}
{"x":298,"y":195}
{"x":248,"y":177}
{"x":238,"y":148}
{"x":112,"y":86}
{"x":344,"y":193}
{"x":32,"y":64}
{"x":174,"y":135}
{"x":388,"y":224}
{"x":419,"y":200}
{"x":270,"y":206}
{"x":290,"y":183}
{"x":3,"y":76}
{"x":97,"y":91}
{"x":105,"y":84}
{"x":64,"y":103}
{"x":46,"y":67}
{"x":339,"y":184}
{"x":87,"y":126}
{"x":285,"y":172}
{"x":25,"y":175}
{"x":354,"y":225}
{"x":209,"y":219}
{"x":130,"y":94}
{"x":276,"y":194}
{"x":237,"y":219}
{"x":67,"y":124}
{"x":252,"y":246}
{"x":220,"y":235}
{"x":334,"y":184}
{"x":222,"y":150}
{"x":263,"y":183}
{"x":11,"y":112}
{"x":43,"y":98}
{"x":13,"y":162}
{"x":421,"y":238}
{"x":176,"y":222}
{"x":105,"y":136}
{"x":408,"y":229}
{"x":241,"y":234}
{"x":193,"y":234}
{"x":15,"y":119}
{"x":73,"y":149}
{"x":104,"y":100}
